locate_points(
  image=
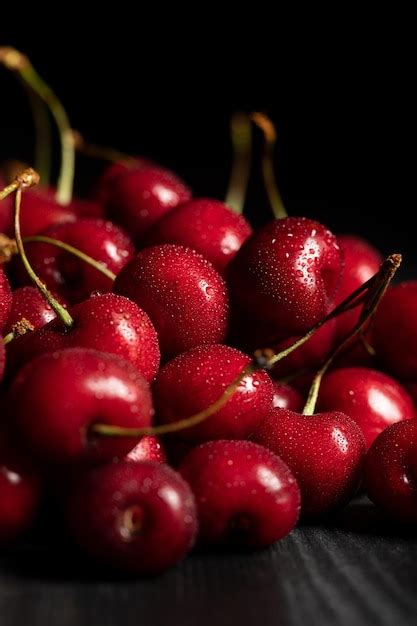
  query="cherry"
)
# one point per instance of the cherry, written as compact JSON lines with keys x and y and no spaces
{"x":206,"y":225}
{"x":20,"y":488}
{"x":395,"y":332}
{"x":286,"y":397}
{"x":391,"y":471}
{"x":109,"y":323}
{"x":286,"y":273}
{"x":182,"y":293}
{"x":65,"y":274}
{"x":140,"y":197}
{"x":325,"y":452}
{"x":5,"y":299}
{"x":244,"y":493}
{"x":149,"y":448}
{"x":373,"y":399}
{"x":30,"y":305}
{"x":102,"y":191}
{"x":137,"y":517}
{"x":56,"y":398}
{"x":195,"y":379}
{"x":361,"y":262}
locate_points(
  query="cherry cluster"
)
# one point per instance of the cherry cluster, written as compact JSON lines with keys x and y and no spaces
{"x":161,"y":363}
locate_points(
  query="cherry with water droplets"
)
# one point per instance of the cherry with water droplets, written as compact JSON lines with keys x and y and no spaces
{"x":30,"y":305}
{"x":149,"y":448}
{"x":286,"y":397}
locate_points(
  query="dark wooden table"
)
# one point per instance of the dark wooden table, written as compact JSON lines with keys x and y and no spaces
{"x":354,"y":570}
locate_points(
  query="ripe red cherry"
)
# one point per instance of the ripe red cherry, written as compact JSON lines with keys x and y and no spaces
{"x":140,"y":197}
{"x":286,"y":397}
{"x":395,"y":331}
{"x":325,"y":452}
{"x":181,"y":292}
{"x":5,"y":299}
{"x":361,"y":262}
{"x":65,"y":274}
{"x":56,"y":398}
{"x":391,"y":471}
{"x":29,"y":304}
{"x":244,"y":493}
{"x":108,"y":323}
{"x":103,"y":188}
{"x":206,"y":225}
{"x":149,"y":448}
{"x":371,"y":398}
{"x":195,"y":379}
{"x":136,"y":517}
{"x":20,"y":488}
{"x":286,"y":273}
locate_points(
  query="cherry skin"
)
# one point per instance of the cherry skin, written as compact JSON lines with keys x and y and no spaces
{"x":29,"y":304}
{"x":20,"y":488}
{"x":65,"y":274}
{"x":244,"y":493}
{"x":391,"y":471}
{"x":56,"y":398}
{"x":108,"y":323}
{"x":286,"y":273}
{"x":149,"y":448}
{"x":102,"y":192}
{"x":136,"y":517}
{"x":140,"y":197}
{"x":371,"y":398}
{"x":361,"y":262}
{"x":394,"y":334}
{"x":195,"y":379}
{"x":5,"y":299}
{"x":206,"y":225}
{"x":325,"y":452}
{"x":181,"y":292}
{"x":287,"y":397}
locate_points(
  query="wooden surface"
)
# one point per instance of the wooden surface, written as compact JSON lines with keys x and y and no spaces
{"x":354,"y":570}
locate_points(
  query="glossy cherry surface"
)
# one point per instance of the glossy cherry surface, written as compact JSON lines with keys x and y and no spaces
{"x":149,"y":448}
{"x":137,"y":517}
{"x":373,"y":399}
{"x":287,"y":397}
{"x":325,"y":452}
{"x":195,"y":379}
{"x":39,"y":211}
{"x":182,"y":293}
{"x":391,"y":471}
{"x":29,"y":304}
{"x":102,"y":192}
{"x":286,"y":273}
{"x":206,"y":225}
{"x":245,"y":494}
{"x":57,"y":397}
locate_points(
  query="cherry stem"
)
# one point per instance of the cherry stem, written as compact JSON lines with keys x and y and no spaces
{"x":241,"y":134}
{"x":100,"y":267}
{"x":61,"y":312}
{"x":43,"y":142}
{"x":101,"y":152}
{"x":21,"y":327}
{"x":18,"y":62}
{"x":376,"y":292}
{"x":263,"y":122}
{"x":8,"y":338}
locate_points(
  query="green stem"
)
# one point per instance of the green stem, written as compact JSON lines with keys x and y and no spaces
{"x":241,"y":134}
{"x":8,"y":338}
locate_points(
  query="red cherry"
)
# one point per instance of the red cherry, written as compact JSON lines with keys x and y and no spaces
{"x":69,"y":276}
{"x":371,"y":398}
{"x":20,"y":488}
{"x":108,"y":323}
{"x":140,"y":197}
{"x":244,"y":493}
{"x":286,"y":273}
{"x":361,"y":262}
{"x":287,"y":397}
{"x":102,"y":191}
{"x":206,"y":225}
{"x":182,"y":293}
{"x":5,"y":299}
{"x":149,"y":448}
{"x":391,"y":471}
{"x":138,"y":517}
{"x":194,"y":380}
{"x":56,"y":398}
{"x":395,"y":332}
{"x":29,"y":304}
{"x":325,"y":452}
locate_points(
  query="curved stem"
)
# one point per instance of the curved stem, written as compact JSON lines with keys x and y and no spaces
{"x":266,"y":126}
{"x":6,"y":191}
{"x":61,"y":312}
{"x":241,"y":134}
{"x":100,"y":267}
{"x":42,"y":158}
{"x":18,"y":62}
{"x":101,"y":152}
{"x":375,"y":294}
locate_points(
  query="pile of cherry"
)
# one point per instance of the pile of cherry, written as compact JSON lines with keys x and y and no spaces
{"x":129,"y":397}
